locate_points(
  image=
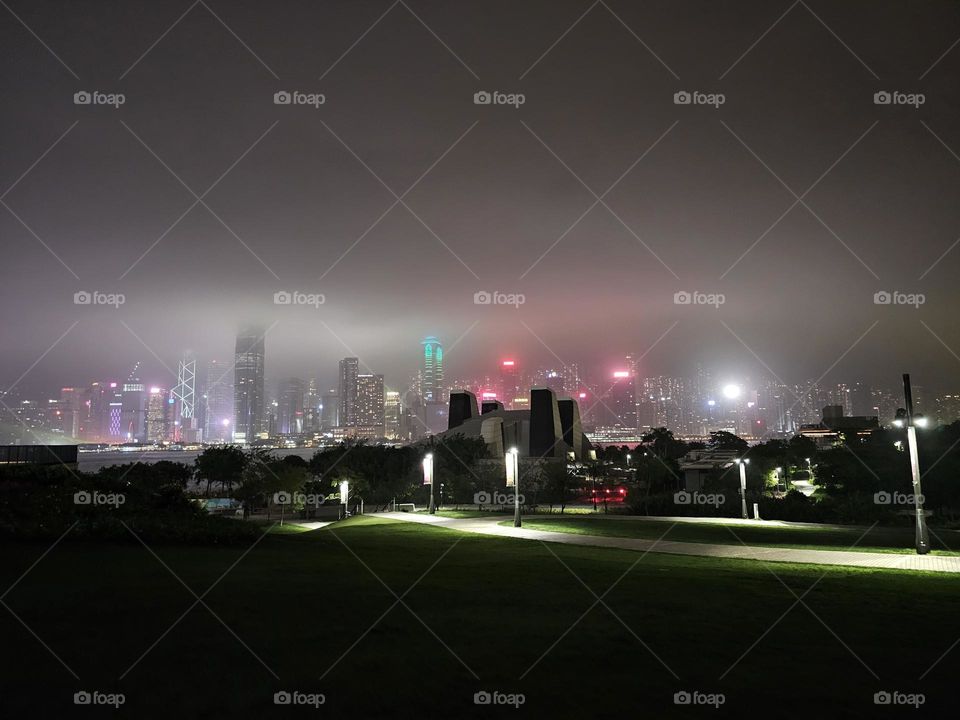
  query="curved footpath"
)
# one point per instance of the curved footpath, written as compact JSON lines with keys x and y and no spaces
{"x":881,"y":560}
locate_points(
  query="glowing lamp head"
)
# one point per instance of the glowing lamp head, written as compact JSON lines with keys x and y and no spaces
{"x":508,"y":363}
{"x":621,"y":374}
{"x":731,"y":391}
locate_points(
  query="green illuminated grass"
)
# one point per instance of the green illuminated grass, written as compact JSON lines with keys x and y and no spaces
{"x":300,"y":601}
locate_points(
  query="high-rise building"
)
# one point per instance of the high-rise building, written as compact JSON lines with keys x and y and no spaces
{"x":370,"y":401}
{"x":290,"y":407}
{"x":619,"y":405}
{"x":218,"y":403}
{"x":250,"y":413}
{"x":158,"y":415}
{"x":393,"y":415}
{"x":510,"y":384}
{"x":312,"y":407}
{"x":432,"y":389}
{"x":113,"y":413}
{"x":330,"y":409}
{"x":347,"y":412}
{"x":185,"y":422}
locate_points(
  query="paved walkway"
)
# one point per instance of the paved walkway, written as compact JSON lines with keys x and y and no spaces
{"x":893,"y":561}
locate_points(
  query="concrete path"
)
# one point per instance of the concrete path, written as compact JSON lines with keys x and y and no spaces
{"x":310,"y":524}
{"x":882,"y":560}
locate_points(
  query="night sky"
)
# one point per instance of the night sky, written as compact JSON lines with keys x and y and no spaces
{"x":694,"y":197}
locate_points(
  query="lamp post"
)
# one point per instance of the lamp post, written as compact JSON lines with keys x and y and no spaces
{"x":779,"y":480}
{"x":512,"y":464}
{"x":428,"y":479}
{"x":743,"y":487}
{"x":922,"y":539}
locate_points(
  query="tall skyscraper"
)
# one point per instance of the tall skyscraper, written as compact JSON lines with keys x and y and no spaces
{"x":249,"y":401}
{"x":393,"y":414}
{"x":370,"y":401}
{"x":158,"y":415}
{"x":619,"y":406}
{"x":217,"y":401}
{"x":330,"y":410}
{"x":185,"y":401}
{"x":290,"y":407}
{"x":349,"y":370}
{"x":432,"y":371}
{"x":510,"y":383}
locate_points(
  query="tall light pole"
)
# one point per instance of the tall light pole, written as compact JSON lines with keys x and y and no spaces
{"x":922,"y":539}
{"x":428,"y":479}
{"x":779,"y":480}
{"x":512,"y":464}
{"x":743,"y":487}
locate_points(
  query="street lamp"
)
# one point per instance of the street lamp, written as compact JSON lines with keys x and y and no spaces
{"x":779,"y":480}
{"x":743,"y":487}
{"x":922,"y":539}
{"x":512,"y":464}
{"x":428,"y":479}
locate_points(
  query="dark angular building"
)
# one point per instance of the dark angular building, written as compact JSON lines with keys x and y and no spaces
{"x":550,"y":429}
{"x":463,"y":407}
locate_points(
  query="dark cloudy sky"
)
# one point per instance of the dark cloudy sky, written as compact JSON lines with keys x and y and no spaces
{"x":699,"y":187}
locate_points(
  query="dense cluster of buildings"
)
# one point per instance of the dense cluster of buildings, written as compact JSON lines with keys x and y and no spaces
{"x":218,"y":401}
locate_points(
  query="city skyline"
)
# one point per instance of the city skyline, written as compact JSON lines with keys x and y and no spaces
{"x":242,"y":403}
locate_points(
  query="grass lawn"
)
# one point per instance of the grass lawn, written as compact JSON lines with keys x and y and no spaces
{"x":305,"y":605}
{"x":878,"y":539}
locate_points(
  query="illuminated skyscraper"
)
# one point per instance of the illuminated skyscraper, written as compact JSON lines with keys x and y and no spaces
{"x":510,"y":383}
{"x":249,"y":402}
{"x":393,"y":413}
{"x":347,"y":413}
{"x":619,"y":405}
{"x":185,"y":401}
{"x":158,"y":414}
{"x":370,"y":401}
{"x":432,"y":371}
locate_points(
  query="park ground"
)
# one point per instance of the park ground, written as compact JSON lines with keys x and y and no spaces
{"x":315,"y":612}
